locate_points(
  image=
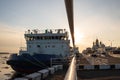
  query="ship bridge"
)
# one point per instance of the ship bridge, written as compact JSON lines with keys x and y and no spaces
{"x":57,"y":34}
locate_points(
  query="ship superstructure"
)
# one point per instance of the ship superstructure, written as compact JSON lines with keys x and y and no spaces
{"x":42,"y":46}
{"x":47,"y":42}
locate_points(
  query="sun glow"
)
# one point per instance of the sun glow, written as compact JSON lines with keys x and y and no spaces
{"x":78,"y":37}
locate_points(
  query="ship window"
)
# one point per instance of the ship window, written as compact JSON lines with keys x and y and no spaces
{"x":46,"y":37}
{"x":56,"y":37}
{"x":34,"y":38}
{"x":41,"y":38}
{"x":49,"y":38}
{"x":59,"y":38}
{"x":29,"y":46}
{"x":38,"y":37}
{"x":48,"y":45}
{"x":38,"y":46}
{"x":62,"y":38}
{"x":52,"y":37}
{"x":53,"y":46}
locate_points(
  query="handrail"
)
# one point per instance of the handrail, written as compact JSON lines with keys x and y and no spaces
{"x":71,"y":73}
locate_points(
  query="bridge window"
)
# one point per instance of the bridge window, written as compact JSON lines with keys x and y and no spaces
{"x":52,"y":37}
{"x":29,"y":46}
{"x":45,"y":46}
{"x":56,"y":37}
{"x":38,"y":37}
{"x":53,"y":46}
{"x":48,"y":45}
{"x":38,"y":46}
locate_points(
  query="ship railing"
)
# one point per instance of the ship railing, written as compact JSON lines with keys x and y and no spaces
{"x":36,"y":31}
{"x":23,"y":49}
{"x":58,"y":61}
{"x":71,"y":73}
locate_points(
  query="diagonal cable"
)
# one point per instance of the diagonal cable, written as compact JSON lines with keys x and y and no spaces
{"x":69,"y":9}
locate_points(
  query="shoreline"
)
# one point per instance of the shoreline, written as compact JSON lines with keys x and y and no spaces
{"x":4,"y":53}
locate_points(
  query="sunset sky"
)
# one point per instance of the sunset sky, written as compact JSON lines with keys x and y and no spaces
{"x":92,"y":18}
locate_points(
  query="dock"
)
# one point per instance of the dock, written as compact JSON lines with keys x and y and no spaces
{"x":85,"y":71}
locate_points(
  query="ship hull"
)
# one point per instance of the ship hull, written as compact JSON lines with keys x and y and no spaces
{"x":28,"y":64}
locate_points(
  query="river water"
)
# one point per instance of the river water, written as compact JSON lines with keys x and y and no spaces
{"x":5,"y":70}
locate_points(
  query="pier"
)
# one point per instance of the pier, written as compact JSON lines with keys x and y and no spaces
{"x":42,"y":74}
{"x":80,"y":71}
